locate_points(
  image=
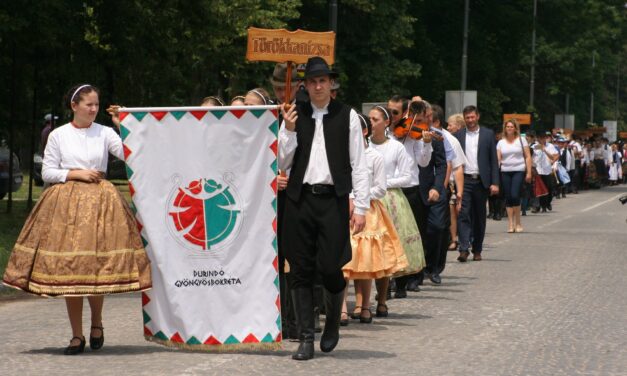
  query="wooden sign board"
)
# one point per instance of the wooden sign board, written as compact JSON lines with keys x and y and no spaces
{"x":282,"y":45}
{"x":522,"y":119}
{"x":597,"y":130}
{"x":622,"y":135}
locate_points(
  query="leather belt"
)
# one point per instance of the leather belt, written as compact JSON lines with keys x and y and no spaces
{"x":472,"y":176}
{"x":319,"y":189}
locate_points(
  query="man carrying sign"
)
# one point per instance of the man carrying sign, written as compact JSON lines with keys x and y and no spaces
{"x":322,"y":143}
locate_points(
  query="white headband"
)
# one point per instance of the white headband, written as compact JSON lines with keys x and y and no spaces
{"x":77,"y":90}
{"x":387,"y":114}
{"x":363,"y":119}
{"x":263,"y":97}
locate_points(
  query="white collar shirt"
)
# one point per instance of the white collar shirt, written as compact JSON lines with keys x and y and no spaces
{"x":318,"y":170}
{"x":472,"y":147}
{"x":71,"y":148}
{"x":541,"y":161}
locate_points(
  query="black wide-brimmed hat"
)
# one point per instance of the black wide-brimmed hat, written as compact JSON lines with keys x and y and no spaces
{"x":317,"y":66}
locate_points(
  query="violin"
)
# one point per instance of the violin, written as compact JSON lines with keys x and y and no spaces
{"x":406,"y":127}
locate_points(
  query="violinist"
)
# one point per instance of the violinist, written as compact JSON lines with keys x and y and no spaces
{"x":397,"y":106}
{"x":417,"y":140}
{"x":430,"y":208}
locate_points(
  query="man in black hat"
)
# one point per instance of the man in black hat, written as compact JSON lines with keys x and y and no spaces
{"x":321,"y":142}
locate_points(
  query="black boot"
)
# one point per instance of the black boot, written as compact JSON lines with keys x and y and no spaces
{"x":317,"y":328}
{"x":331,"y":334}
{"x":290,"y":328}
{"x":303,"y":309}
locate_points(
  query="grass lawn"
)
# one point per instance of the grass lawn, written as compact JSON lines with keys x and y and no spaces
{"x":11,"y":223}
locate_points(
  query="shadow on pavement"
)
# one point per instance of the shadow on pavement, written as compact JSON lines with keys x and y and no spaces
{"x":356,"y":354}
{"x":445,"y":277}
{"x":394,"y":315}
{"x":494,"y":260}
{"x":111,"y":350}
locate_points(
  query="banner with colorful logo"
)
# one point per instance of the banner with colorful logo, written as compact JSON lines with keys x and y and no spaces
{"x":203,"y":186}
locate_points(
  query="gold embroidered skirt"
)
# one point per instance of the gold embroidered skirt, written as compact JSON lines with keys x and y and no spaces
{"x":80,"y":239}
{"x":377,"y":250}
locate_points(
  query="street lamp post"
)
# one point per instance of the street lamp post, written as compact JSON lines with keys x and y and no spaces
{"x":592,"y":91}
{"x":533,"y":55}
{"x":465,"y":45}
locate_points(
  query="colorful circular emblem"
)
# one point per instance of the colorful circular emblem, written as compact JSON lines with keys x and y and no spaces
{"x":204,"y":214}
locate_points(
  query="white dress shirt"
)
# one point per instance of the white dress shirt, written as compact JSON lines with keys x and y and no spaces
{"x":318,"y":171}
{"x":398,"y":163}
{"x":472,"y":146}
{"x":420,"y":153}
{"x":71,"y":148}
{"x":541,"y":161}
{"x":460,"y":156}
{"x":376,"y":174}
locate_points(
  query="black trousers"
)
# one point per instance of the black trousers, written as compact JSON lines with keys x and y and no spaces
{"x":472,"y":216}
{"x":550,"y":183}
{"x":431,"y":220}
{"x":316,"y":239}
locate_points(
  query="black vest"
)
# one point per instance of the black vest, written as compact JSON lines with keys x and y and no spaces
{"x":336,"y":128}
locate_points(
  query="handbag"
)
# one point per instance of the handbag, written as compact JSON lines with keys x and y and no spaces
{"x":562,"y":174}
{"x":539,"y":188}
{"x":522,"y":146}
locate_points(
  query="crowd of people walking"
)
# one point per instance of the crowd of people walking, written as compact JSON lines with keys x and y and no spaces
{"x":374,"y":198}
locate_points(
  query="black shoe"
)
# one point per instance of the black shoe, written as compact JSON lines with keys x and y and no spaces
{"x":73,"y":350}
{"x":400,"y":293}
{"x":543,"y":210}
{"x":363,"y":319}
{"x":382,"y":312}
{"x":435,"y":278}
{"x":535,"y":210}
{"x":463,"y":256}
{"x":523,"y":213}
{"x":303,"y":310}
{"x":95,"y":343}
{"x":412,"y":285}
{"x":550,"y":207}
{"x":331,"y":334}
{"x":344,"y":322}
{"x":497,"y":217}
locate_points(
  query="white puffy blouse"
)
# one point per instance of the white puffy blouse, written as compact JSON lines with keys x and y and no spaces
{"x":71,"y":148}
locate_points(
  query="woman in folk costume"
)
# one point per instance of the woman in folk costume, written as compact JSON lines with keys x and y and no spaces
{"x":615,"y":170}
{"x":377,"y":248}
{"x":81,"y":238}
{"x":398,"y":165}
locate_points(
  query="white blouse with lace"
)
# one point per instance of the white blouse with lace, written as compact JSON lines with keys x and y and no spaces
{"x":71,"y":148}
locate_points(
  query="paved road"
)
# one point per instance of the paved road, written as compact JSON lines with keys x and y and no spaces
{"x":550,"y":301}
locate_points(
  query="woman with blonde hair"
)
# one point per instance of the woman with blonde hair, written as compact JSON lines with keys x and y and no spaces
{"x":454,"y":123}
{"x":514,"y":159}
{"x":257,"y":97}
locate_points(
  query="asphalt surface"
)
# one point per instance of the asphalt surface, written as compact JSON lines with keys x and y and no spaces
{"x":549,"y":301}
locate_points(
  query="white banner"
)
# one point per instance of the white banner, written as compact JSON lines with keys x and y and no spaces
{"x":203,"y":184}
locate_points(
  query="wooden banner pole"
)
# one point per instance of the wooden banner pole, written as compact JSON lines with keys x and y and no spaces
{"x":288,"y":85}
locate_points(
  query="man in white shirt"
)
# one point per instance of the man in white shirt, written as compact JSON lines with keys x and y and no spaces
{"x":577,"y":149}
{"x":481,"y":178}
{"x":322,"y":143}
